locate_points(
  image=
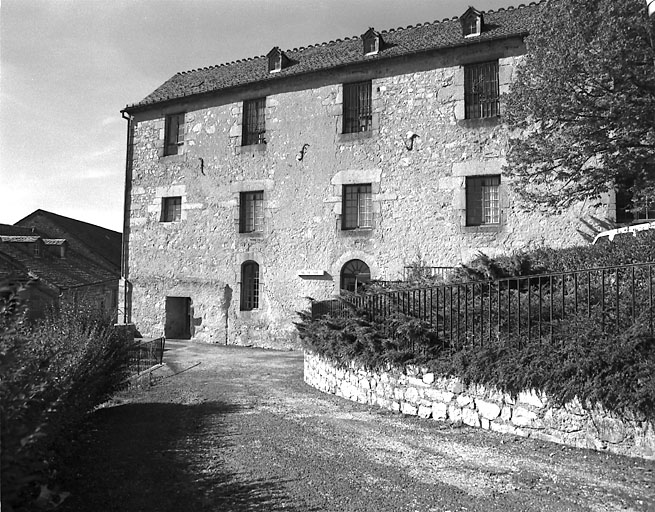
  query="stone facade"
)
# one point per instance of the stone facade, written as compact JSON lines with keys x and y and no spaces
{"x":418,"y":194}
{"x":416,"y":392}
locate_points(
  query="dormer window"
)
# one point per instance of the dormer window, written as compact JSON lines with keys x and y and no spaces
{"x":372,"y":42}
{"x":56,"y":247}
{"x":472,"y":22}
{"x":277,"y":60}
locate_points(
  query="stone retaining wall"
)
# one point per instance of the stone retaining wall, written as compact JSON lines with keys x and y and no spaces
{"x":415,"y":391}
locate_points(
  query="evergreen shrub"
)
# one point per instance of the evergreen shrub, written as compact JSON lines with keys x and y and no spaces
{"x":613,"y":369}
{"x":52,"y":374}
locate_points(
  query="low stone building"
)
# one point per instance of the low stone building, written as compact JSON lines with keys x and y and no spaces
{"x":63,"y":259}
{"x":254,"y":185}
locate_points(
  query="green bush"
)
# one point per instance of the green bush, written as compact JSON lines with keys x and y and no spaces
{"x":612,"y":370}
{"x":54,"y":372}
{"x":623,"y":251}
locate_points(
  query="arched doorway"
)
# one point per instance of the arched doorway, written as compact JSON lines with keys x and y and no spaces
{"x":353,"y":274}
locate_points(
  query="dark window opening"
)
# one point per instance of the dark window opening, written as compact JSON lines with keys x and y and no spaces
{"x":357,"y":107}
{"x":482,"y":200}
{"x":251,"y":212}
{"x":254,"y":125}
{"x":371,"y":45}
{"x":354,"y":274}
{"x":357,"y":207}
{"x":481,"y":90}
{"x":249,"y":286}
{"x":171,"y":209}
{"x":174,"y":134}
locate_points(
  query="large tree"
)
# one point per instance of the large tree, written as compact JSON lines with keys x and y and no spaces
{"x":582,"y":106}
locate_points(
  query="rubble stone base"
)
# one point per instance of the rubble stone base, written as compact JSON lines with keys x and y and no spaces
{"x":415,"y":391}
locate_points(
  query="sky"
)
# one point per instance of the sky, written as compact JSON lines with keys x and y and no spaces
{"x":68,"y":67}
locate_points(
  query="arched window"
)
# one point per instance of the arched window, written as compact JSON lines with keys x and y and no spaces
{"x":353,"y":274}
{"x":249,"y":286}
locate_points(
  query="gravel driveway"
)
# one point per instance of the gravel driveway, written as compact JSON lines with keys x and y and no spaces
{"x":242,"y":432}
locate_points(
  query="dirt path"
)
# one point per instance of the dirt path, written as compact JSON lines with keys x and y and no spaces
{"x":242,"y":432}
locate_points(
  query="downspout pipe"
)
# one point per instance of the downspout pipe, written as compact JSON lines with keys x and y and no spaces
{"x":127,"y":200}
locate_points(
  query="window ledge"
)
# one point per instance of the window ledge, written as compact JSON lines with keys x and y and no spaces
{"x":355,"y":136}
{"x":179,"y":157}
{"x":253,"y":149}
{"x":480,"y":122}
{"x":250,"y":314}
{"x":483,"y":228}
{"x":357,"y":233}
{"x":251,"y":234}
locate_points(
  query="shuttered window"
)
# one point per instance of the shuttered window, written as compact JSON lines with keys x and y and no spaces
{"x":357,"y":207}
{"x":357,"y":107}
{"x":481,"y":90}
{"x":254,"y":124}
{"x":482,"y":200}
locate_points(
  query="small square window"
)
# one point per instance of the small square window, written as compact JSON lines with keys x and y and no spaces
{"x":481,"y":90}
{"x":251,"y":212}
{"x":254,"y":124}
{"x":171,"y":209}
{"x":482,"y":200}
{"x":357,"y":207}
{"x":174,"y":134}
{"x":357,"y":107}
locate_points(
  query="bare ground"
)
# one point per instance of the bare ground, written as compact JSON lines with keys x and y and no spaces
{"x":241,"y":431}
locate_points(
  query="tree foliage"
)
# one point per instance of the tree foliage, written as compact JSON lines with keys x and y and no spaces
{"x":582,"y":106}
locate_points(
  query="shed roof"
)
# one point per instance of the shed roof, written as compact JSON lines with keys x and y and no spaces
{"x":499,"y":24}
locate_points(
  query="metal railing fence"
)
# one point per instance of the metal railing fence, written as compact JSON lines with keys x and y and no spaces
{"x":414,"y":273}
{"x":146,"y":353}
{"x":525,"y":309}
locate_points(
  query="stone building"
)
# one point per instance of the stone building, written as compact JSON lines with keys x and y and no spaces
{"x":64,"y":260}
{"x":256,"y":184}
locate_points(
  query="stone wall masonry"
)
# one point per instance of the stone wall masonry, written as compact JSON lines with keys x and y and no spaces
{"x":418,"y":195}
{"x":416,"y":392}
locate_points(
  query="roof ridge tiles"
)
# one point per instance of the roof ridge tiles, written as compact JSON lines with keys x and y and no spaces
{"x":221,"y":76}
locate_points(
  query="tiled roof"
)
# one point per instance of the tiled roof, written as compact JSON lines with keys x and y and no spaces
{"x":54,"y":241}
{"x":104,"y":243}
{"x":500,"y":24}
{"x":70,"y":272}
{"x":8,"y":229}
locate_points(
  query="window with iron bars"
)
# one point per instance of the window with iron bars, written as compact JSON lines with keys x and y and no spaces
{"x":174,"y":134}
{"x":254,"y":125}
{"x":357,"y":207}
{"x":249,"y":286}
{"x":357,"y":107}
{"x":251,"y":212}
{"x":171,"y":209}
{"x":481,"y":90}
{"x":482,"y":200}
